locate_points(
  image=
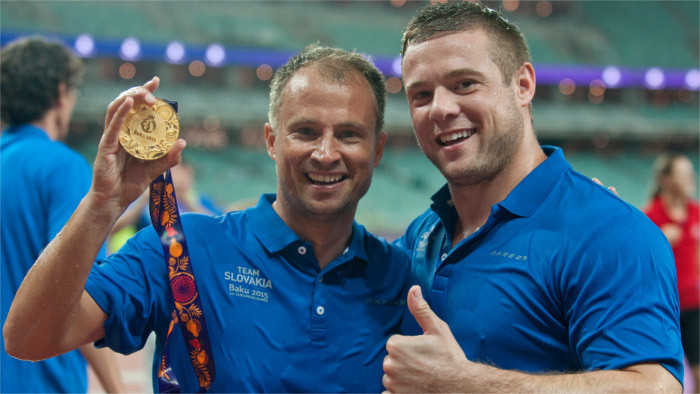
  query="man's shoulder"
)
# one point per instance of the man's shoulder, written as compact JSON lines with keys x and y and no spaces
{"x":579,"y":196}
{"x":206,"y":221}
{"x":590,"y":211}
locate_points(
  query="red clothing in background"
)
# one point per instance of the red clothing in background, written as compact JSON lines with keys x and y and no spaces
{"x":685,"y":251}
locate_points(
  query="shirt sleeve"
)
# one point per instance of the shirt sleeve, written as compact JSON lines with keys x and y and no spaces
{"x":130,"y":286}
{"x":620,"y":298}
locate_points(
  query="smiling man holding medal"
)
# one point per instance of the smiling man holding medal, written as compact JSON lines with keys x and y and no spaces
{"x":296,"y":296}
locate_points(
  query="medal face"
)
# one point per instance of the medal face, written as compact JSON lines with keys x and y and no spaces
{"x":150,"y":132}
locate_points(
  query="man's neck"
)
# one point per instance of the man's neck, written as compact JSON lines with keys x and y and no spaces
{"x":473,"y":202}
{"x":49,"y":125}
{"x":329,"y":235}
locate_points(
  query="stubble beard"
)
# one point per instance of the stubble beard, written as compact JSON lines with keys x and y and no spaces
{"x":493,"y":157}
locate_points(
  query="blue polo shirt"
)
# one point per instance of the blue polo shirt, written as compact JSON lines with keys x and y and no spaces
{"x":564,"y":276}
{"x":276,"y":321}
{"x":41,"y":184}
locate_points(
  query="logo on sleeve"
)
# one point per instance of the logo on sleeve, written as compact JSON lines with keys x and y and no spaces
{"x":248,"y":283}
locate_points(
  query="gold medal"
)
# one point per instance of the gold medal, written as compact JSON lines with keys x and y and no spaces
{"x":150,"y":131}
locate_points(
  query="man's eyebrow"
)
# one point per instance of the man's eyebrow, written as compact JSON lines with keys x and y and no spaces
{"x":447,"y":75}
{"x":461,"y":71}
{"x":311,"y":121}
{"x":352,"y":125}
{"x":301,"y":121}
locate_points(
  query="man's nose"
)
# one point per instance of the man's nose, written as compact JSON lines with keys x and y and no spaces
{"x":444,"y":105}
{"x":326,"y":150}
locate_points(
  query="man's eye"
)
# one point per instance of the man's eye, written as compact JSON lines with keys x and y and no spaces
{"x":348,"y":134}
{"x":466,"y":84}
{"x":420,"y":96}
{"x":304,"y":131}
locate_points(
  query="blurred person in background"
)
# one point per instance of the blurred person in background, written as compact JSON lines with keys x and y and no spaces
{"x":298,"y":297}
{"x":535,"y":278}
{"x":676,"y":212}
{"x":137,"y":215}
{"x":42,"y":181}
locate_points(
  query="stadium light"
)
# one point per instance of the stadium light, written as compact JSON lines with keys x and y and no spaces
{"x":130,"y":49}
{"x":396,"y":66}
{"x":215,"y":55}
{"x":612,"y":76}
{"x":692,"y":79}
{"x":654,"y":78}
{"x":175,"y":52}
{"x":84,"y":45}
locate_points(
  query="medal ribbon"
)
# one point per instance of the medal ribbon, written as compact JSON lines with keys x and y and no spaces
{"x":188,"y":311}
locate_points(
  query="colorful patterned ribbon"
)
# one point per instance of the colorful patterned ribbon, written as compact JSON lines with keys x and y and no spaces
{"x":165,"y":217}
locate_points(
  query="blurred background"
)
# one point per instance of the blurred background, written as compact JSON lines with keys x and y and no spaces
{"x":618,"y":82}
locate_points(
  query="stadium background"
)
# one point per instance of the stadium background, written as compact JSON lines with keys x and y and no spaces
{"x":216,"y":59}
{"x":618,"y":82}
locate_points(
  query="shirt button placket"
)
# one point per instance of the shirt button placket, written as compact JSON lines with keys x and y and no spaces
{"x":319,"y":335}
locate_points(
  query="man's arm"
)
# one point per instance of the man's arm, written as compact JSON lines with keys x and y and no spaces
{"x":51,"y":312}
{"x":434,"y":362}
{"x":105,"y":366}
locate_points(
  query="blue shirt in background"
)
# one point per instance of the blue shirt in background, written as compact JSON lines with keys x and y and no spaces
{"x":564,"y":276}
{"x":276,"y":321}
{"x":41,"y":184}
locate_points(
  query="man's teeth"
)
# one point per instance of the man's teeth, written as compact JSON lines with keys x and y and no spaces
{"x":325,"y":178}
{"x":459,"y":135}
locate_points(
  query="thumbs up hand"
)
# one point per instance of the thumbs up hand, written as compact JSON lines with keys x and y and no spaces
{"x":432,"y":362}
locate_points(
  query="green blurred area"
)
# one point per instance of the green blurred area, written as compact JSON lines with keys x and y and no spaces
{"x":615,"y":141}
{"x":402,"y":184}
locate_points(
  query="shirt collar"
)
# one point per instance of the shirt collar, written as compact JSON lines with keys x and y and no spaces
{"x":527,"y":195}
{"x":531,"y":191}
{"x":23,"y":131}
{"x":276,"y":236}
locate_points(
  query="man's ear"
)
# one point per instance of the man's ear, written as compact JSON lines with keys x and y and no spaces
{"x":525,"y":82}
{"x":62,"y":95}
{"x":379,"y":149}
{"x":270,"y":141}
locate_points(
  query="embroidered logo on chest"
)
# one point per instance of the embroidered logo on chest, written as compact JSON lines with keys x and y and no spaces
{"x":248,"y":283}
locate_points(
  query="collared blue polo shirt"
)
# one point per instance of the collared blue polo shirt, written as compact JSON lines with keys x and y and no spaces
{"x":276,"y":321}
{"x":564,"y":276}
{"x":41,"y":184}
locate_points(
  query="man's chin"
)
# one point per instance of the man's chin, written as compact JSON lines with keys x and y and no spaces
{"x":330,"y":208}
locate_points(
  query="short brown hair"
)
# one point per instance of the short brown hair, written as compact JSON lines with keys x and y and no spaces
{"x":30,"y":71}
{"x":337,"y":63}
{"x":509,"y":48}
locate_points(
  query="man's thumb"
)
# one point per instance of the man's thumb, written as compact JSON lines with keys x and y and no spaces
{"x":426,"y":318}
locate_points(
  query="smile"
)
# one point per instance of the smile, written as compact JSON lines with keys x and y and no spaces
{"x":318,"y":179}
{"x":453,"y":138}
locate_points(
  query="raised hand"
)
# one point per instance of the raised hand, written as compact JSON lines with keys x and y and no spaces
{"x":119,"y":178}
{"x":432,"y":362}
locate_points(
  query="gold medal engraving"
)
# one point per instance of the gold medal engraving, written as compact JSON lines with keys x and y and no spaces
{"x":150,"y":131}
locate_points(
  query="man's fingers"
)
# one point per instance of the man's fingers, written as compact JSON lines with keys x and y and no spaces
{"x":170,"y":160}
{"x":152,"y":85}
{"x":426,"y":318}
{"x":112,"y":128}
{"x":141,"y":94}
